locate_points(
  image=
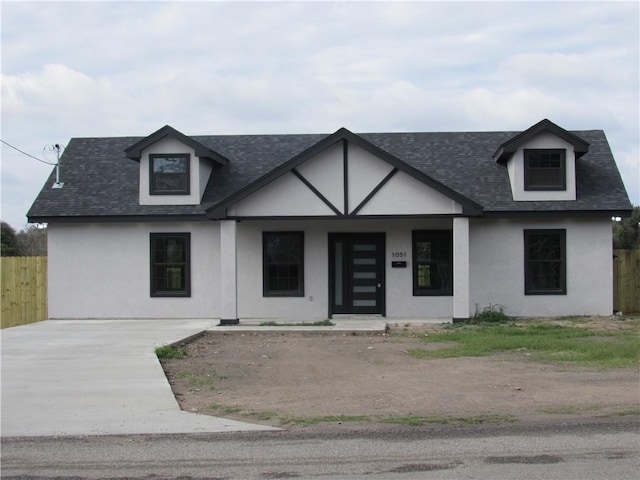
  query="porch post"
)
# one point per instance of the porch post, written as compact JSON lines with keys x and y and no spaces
{"x":460,"y":269}
{"x":228,"y":274}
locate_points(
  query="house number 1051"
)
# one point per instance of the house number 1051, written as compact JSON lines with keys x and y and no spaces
{"x":399,"y":254}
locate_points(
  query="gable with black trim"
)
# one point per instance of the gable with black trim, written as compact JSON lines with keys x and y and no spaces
{"x":344,"y":176}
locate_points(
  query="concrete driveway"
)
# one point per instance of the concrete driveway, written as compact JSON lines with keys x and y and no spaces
{"x":95,"y":377}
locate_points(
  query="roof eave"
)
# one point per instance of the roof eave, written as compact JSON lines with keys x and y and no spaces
{"x":596,"y":212}
{"x":116,"y":218}
{"x":508,"y":148}
{"x":134,"y":152}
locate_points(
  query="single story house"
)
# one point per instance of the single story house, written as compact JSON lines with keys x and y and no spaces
{"x":308,"y":227}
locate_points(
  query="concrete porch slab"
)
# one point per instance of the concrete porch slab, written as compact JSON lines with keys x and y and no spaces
{"x":342,"y":323}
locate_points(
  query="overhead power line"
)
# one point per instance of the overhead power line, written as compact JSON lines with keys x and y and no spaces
{"x":25,"y":153}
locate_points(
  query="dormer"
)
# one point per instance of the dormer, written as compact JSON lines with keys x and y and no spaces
{"x":541,"y":162}
{"x":174,"y":168}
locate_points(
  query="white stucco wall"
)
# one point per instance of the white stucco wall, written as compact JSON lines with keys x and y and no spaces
{"x":405,"y":195}
{"x":461,"y":268}
{"x":326,"y":173}
{"x":366,"y":171}
{"x":400,"y":302}
{"x":205,"y":167}
{"x":497,"y":268}
{"x":516,"y":170}
{"x":102,"y":271}
{"x":286,"y":195}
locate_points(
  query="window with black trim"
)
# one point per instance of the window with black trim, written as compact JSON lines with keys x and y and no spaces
{"x":283,"y":264}
{"x":545,"y":169}
{"x":432,"y":262}
{"x":545,"y":262}
{"x":170,"y":265}
{"x":169,"y":174}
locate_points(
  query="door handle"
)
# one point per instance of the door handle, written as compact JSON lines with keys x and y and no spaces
{"x":379,"y":284}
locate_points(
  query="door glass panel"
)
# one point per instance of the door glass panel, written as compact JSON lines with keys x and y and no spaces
{"x":338,"y":274}
{"x":362,"y":247}
{"x":364,"y":275}
{"x":364,"y":289}
{"x":364,"y":261}
{"x":364,"y":303}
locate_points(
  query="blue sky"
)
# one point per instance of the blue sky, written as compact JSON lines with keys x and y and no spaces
{"x":84,"y":69}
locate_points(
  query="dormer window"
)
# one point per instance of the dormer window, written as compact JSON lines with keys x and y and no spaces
{"x":174,"y":169}
{"x":169,"y":174}
{"x":545,"y":169}
{"x":541,"y":163}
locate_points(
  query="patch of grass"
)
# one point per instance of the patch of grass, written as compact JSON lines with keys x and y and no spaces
{"x":200,"y":381}
{"x":548,"y":342}
{"x":264,"y":416}
{"x":566,"y":410}
{"x":319,"y":323}
{"x":629,"y":411}
{"x":574,"y":410}
{"x":413,"y":420}
{"x":608,"y":350}
{"x":169,"y":351}
{"x":306,"y":421}
{"x":260,"y":416}
{"x":418,"y":421}
{"x":574,"y":319}
{"x":283,"y":420}
{"x":634,"y":320}
{"x":223,"y":409}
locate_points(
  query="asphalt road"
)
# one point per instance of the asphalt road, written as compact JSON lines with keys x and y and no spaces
{"x":595,"y":450}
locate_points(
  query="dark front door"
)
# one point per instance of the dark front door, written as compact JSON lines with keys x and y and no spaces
{"x":356,"y":273}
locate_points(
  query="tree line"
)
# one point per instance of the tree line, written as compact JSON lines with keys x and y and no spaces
{"x":31,"y":241}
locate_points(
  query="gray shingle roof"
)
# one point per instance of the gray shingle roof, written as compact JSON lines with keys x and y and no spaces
{"x":100,"y":181}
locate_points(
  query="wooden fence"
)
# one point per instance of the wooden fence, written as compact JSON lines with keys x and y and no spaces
{"x":626,"y":281}
{"x":24,"y":290}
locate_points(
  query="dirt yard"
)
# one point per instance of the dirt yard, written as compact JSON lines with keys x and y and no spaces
{"x":282,"y":378}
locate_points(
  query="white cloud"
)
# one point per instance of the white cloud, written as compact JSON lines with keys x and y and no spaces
{"x":52,"y":88}
{"x":576,"y":71}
